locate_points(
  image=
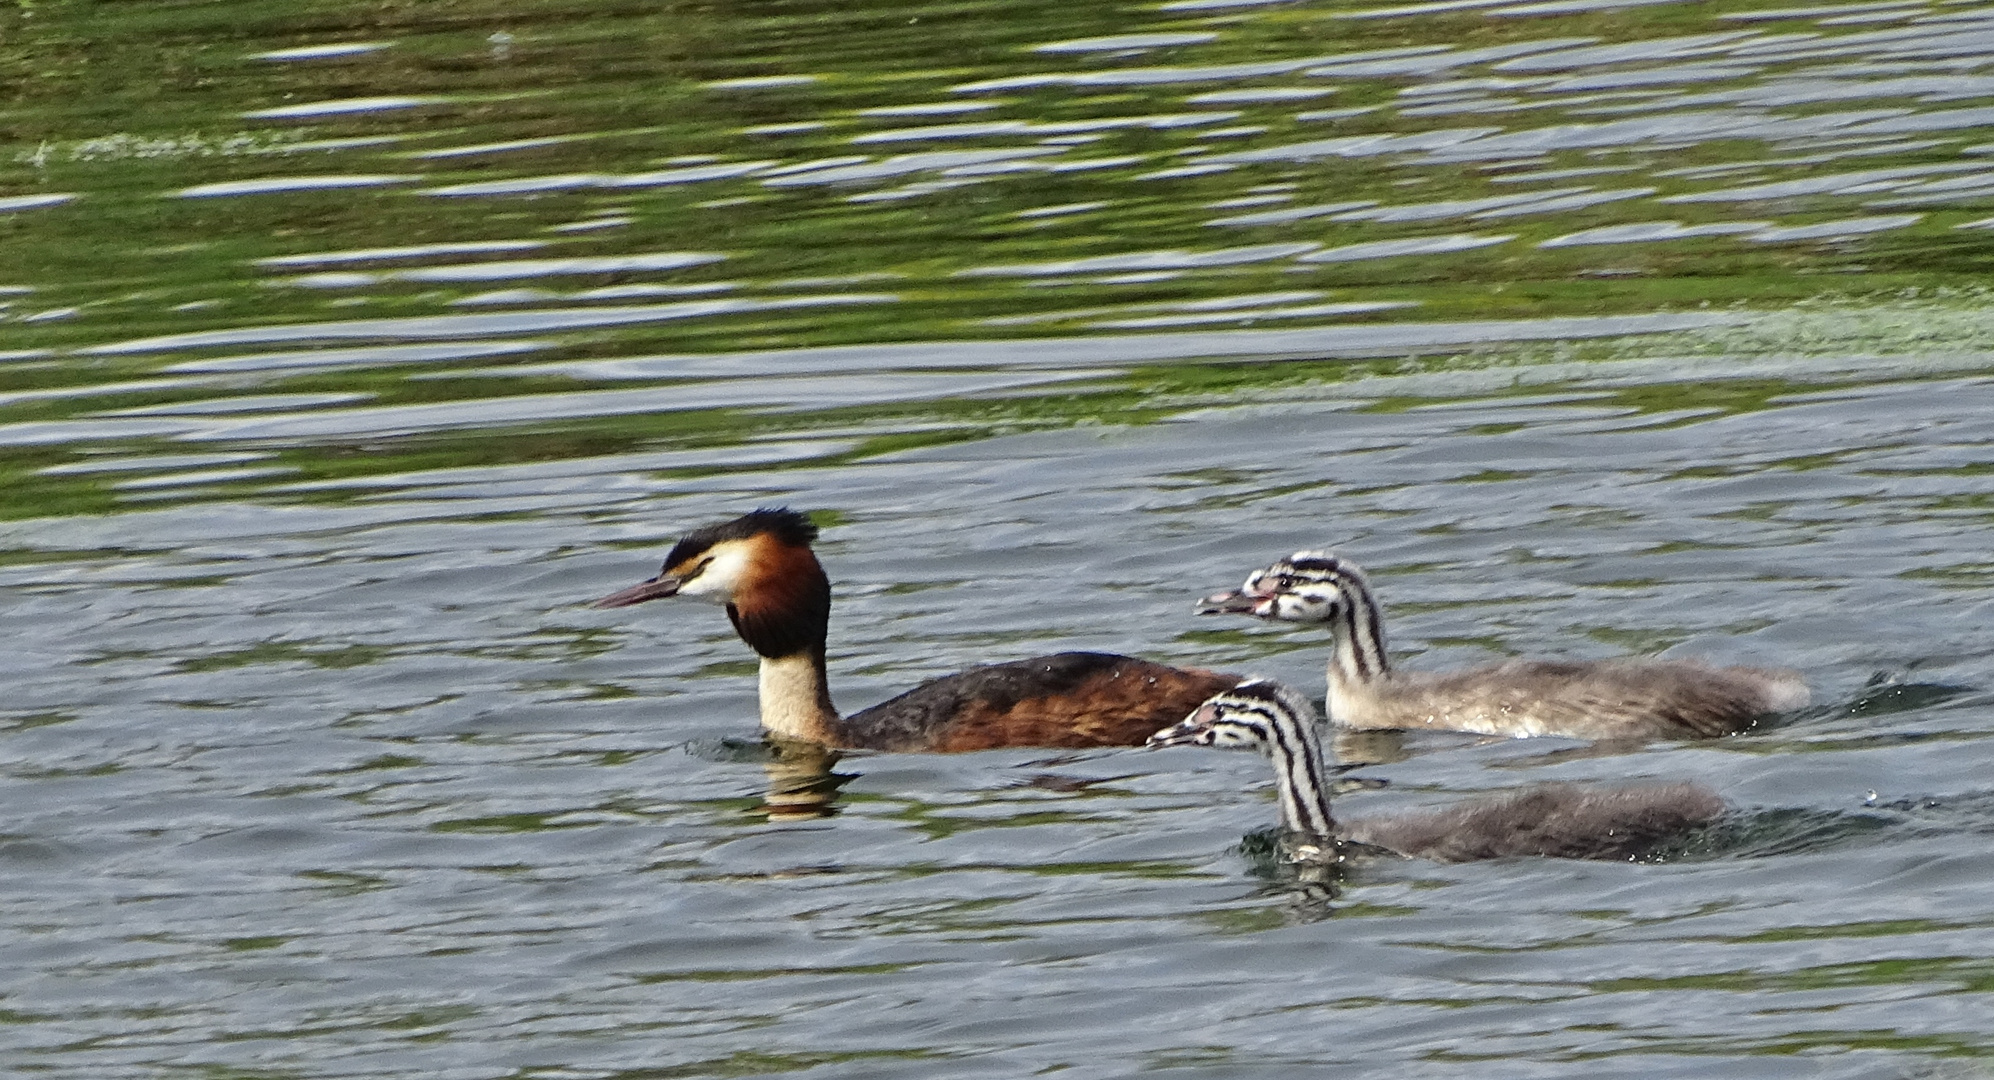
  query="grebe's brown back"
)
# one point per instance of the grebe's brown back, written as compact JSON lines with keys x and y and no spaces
{"x":1584,"y":699}
{"x":761,"y":568}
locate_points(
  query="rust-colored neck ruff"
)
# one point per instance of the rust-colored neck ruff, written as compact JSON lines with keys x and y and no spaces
{"x":783,"y":611}
{"x":783,"y":605}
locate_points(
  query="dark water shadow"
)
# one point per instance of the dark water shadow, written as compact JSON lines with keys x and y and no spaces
{"x":1063,"y":784}
{"x":1971,"y":811}
{"x":1757,"y":834}
{"x":1887,"y":693}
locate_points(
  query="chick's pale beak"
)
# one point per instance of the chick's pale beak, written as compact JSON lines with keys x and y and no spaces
{"x":1236,"y":602}
{"x":1186,"y":731}
{"x":662,"y":585}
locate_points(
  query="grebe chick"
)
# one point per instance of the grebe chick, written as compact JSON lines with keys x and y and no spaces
{"x":1583,"y":699}
{"x":1564,"y":821}
{"x":776,"y":593}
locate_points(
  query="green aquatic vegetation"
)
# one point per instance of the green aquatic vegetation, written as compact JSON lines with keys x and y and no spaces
{"x":628,"y":90}
{"x":36,"y":720}
{"x":1647,"y":641}
{"x":278,"y":652}
{"x":704,"y":976}
{"x":389,"y":761}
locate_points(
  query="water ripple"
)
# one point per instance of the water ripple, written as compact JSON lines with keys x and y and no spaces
{"x":323,"y":766}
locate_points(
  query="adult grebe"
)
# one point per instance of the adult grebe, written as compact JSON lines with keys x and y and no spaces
{"x":1564,"y":821}
{"x":1592,"y":699}
{"x":761,"y":567}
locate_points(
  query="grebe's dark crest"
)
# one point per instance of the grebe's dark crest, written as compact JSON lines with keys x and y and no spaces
{"x":1600,"y":699}
{"x":760,"y":566}
{"x":1558,"y":820}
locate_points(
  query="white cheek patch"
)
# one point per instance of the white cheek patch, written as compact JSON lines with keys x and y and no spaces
{"x":722,"y":576}
{"x":1304,"y":607}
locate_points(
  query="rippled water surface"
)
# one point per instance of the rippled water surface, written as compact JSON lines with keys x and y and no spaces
{"x":348,"y":350}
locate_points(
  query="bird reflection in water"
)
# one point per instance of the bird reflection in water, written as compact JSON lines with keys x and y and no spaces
{"x":801,"y":785}
{"x":1304,"y":874}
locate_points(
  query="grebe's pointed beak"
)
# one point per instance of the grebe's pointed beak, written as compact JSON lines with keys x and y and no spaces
{"x":1236,"y":602}
{"x":660,"y":586}
{"x":1185,"y":732}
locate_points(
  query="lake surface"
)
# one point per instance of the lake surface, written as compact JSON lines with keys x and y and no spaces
{"x":348,"y":350}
